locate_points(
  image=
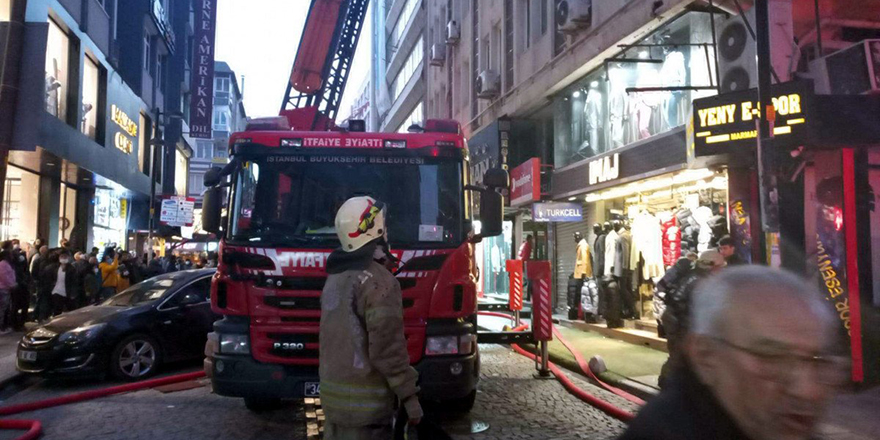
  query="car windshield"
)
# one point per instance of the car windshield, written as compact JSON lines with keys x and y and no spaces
{"x":141,"y":293}
{"x":292,"y":200}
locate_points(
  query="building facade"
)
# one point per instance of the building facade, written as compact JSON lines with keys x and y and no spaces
{"x":92,"y":78}
{"x":229,"y":116}
{"x":398,"y":64}
{"x":600,"y":95}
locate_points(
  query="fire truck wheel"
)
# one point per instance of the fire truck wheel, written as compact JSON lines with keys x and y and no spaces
{"x":462,"y":405}
{"x":261,"y":404}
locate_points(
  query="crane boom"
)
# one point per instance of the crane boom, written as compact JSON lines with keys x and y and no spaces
{"x":328,"y":44}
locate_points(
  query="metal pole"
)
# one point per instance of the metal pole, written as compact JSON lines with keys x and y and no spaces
{"x":545,"y":359}
{"x":766,"y":165}
{"x":154,"y":148}
{"x":516,"y":319}
{"x":818,"y":29}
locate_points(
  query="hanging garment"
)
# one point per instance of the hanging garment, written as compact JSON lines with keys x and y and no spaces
{"x":625,"y":254}
{"x":702,"y":215}
{"x":612,"y":245}
{"x":647,"y":239}
{"x":590,"y":297}
{"x":599,"y":256}
{"x":583,"y":266}
{"x":671,"y":242}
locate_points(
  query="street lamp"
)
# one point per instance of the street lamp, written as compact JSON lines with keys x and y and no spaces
{"x":157,"y":144}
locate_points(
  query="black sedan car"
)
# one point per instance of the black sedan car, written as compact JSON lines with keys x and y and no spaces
{"x":163,"y":319}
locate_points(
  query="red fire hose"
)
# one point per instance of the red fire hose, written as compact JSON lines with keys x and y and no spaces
{"x":602,"y":405}
{"x":34,"y":427}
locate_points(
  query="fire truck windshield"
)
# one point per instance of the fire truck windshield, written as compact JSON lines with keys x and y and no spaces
{"x":291,"y":200}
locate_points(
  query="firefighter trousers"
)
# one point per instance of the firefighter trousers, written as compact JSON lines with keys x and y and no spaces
{"x":371,"y":432}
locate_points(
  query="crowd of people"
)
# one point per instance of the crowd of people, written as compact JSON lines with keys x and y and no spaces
{"x":52,"y":281}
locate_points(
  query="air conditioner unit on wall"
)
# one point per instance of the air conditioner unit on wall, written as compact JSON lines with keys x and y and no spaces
{"x":851,"y":71}
{"x":573,"y":15}
{"x":737,"y":51}
{"x":438,"y":54}
{"x":453,"y":32}
{"x":488,"y":84}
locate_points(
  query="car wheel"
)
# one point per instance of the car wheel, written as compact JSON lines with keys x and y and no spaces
{"x":262,"y":404}
{"x":135,"y":357}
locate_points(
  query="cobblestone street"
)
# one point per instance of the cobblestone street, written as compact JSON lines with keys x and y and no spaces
{"x":512,"y":403}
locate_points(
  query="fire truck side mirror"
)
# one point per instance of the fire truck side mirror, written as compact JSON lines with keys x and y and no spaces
{"x":496,"y":178}
{"x":212,"y":177}
{"x":212,"y":205}
{"x":491,"y":213}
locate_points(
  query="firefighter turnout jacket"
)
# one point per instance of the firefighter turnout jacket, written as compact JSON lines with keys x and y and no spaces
{"x":364,"y":361}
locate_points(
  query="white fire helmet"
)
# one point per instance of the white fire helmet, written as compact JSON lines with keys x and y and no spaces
{"x":360,"y":220}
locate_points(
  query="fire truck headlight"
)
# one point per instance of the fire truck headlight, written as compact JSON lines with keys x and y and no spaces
{"x":235,"y":344}
{"x":466,"y":344}
{"x":441,"y":345}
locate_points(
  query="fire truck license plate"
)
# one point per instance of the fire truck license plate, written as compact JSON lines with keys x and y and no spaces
{"x":313,"y":389}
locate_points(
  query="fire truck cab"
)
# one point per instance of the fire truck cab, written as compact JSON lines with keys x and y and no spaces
{"x":284,"y":188}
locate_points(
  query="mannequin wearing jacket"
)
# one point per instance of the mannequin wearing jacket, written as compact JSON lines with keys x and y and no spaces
{"x":613,"y":272}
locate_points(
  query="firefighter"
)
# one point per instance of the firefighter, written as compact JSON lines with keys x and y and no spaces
{"x":364,"y":363}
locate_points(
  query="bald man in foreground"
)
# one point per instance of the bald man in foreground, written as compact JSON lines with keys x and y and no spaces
{"x":759,"y":363}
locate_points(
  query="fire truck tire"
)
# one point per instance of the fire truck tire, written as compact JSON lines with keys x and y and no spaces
{"x":262,"y":404}
{"x":463,"y":404}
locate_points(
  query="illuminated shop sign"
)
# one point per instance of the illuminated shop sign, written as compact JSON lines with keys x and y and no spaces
{"x":128,"y":126}
{"x":727,"y":122}
{"x":605,"y":169}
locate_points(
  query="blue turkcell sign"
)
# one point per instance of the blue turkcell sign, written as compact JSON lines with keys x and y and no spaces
{"x":557,"y":212}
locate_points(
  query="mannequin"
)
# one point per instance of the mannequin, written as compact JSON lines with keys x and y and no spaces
{"x":583,"y":269}
{"x":627,"y":288}
{"x":613,"y":263}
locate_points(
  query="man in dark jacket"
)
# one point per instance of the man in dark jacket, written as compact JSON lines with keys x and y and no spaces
{"x":758,"y":363}
{"x":59,"y":280}
{"x":364,"y":363}
{"x":21,"y":294}
{"x":81,"y":271}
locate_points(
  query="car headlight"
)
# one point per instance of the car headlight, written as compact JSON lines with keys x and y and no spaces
{"x":81,"y":334}
{"x":41,"y":333}
{"x":235,"y":344}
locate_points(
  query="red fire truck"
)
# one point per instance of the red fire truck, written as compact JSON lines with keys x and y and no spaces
{"x":286,"y":179}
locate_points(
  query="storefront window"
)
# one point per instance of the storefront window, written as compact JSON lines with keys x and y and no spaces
{"x":602,"y":112}
{"x":66,"y":212}
{"x":19,"y":213}
{"x":111,"y":218}
{"x":496,"y":252}
{"x":57,"y":71}
{"x":181,"y":168}
{"x":90,"y":98}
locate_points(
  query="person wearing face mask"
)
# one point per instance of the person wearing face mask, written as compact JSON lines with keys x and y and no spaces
{"x":80,"y":270}
{"x":21,"y":293}
{"x":60,"y":276}
{"x":109,"y":274}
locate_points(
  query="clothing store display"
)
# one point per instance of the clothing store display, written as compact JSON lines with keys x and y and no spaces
{"x":590,"y":298}
{"x":702,"y":216}
{"x":671,"y":240}
{"x":599,"y":256}
{"x":646,"y":240}
{"x":625,"y":250}
{"x":594,"y":120}
{"x":583,"y":266}
{"x":612,"y":246}
{"x":611,"y":302}
{"x":573,"y":299}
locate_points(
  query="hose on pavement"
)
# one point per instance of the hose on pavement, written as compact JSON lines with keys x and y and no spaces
{"x":606,"y":407}
{"x":35,"y":428}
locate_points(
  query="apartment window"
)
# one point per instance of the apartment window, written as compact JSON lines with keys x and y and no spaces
{"x":475,"y":54}
{"x":508,"y":44}
{"x":409,"y":10}
{"x":221,"y":84}
{"x":147,"y":54}
{"x":221,"y":120}
{"x":57,"y":71}
{"x":416,"y":117}
{"x":559,"y":37}
{"x":528,"y":4}
{"x":204,"y":149}
{"x":544,"y":16}
{"x":91,"y":86}
{"x":409,"y":68}
{"x":196,"y":184}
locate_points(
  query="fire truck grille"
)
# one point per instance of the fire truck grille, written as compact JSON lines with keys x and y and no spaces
{"x":293,"y":303}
